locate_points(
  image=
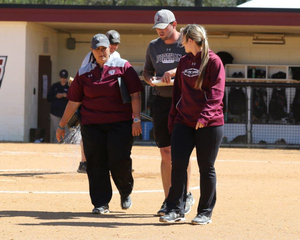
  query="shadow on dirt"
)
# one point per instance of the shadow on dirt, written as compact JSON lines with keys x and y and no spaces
{"x":31,"y":174}
{"x":82,"y":218}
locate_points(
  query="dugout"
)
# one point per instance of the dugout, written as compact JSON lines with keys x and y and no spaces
{"x":39,"y":40}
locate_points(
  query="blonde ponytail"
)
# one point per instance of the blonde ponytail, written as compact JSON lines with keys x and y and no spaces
{"x":198,"y":34}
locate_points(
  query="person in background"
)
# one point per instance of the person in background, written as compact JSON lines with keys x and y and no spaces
{"x":195,"y":120}
{"x":57,"y":96}
{"x":114,"y":41}
{"x":162,"y":57}
{"x":107,"y":124}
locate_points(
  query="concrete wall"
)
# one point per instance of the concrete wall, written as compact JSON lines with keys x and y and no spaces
{"x":22,"y":43}
{"x":133,"y":48}
{"x":13,"y":45}
{"x":244,"y":52}
{"x":40,"y":40}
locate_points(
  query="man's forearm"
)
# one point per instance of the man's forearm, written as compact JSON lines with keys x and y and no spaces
{"x":147,"y":77}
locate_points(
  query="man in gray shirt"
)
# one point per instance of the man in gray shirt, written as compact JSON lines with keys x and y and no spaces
{"x":162,"y":57}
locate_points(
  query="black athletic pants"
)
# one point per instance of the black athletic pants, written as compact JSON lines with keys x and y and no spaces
{"x":207,"y":141}
{"x":107,"y":148}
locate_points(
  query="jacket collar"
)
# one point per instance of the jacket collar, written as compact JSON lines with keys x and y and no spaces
{"x":197,"y":57}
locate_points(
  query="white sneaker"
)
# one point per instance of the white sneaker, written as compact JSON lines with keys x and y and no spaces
{"x":189,"y":202}
{"x":201,"y":220}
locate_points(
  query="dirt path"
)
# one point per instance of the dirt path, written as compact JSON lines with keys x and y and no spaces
{"x":42,"y":197}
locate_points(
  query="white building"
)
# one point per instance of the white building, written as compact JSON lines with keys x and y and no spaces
{"x":33,"y":47}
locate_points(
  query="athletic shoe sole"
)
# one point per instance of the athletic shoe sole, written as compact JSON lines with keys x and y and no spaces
{"x":98,"y":212}
{"x":161,"y":214}
{"x":203,"y":223}
{"x":180,"y":219}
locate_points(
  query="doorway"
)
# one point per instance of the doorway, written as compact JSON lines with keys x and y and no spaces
{"x":45,"y":68}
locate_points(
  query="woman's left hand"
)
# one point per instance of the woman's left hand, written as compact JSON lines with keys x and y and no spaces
{"x":136,"y":129}
{"x":199,"y":125}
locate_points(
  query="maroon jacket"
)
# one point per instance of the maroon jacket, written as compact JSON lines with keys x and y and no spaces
{"x":190,"y":106}
{"x":99,"y":91}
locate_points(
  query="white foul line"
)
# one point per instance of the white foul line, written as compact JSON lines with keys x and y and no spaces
{"x":77,"y":154}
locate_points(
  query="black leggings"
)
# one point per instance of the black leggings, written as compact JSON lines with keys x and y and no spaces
{"x":107,"y":148}
{"x":207,"y":141}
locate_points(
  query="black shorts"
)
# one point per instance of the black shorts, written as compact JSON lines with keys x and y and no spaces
{"x":160,"y":112}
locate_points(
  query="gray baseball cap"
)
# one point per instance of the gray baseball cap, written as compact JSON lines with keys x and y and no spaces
{"x":162,"y":18}
{"x":99,"y":40}
{"x":113,"y":36}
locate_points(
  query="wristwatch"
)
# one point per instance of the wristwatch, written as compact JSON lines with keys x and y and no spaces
{"x":136,"y":120}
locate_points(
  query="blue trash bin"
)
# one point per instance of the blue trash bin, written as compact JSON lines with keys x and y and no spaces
{"x":146,"y":128}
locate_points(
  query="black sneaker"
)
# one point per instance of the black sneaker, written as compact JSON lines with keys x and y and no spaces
{"x":201,"y":220}
{"x":172,"y":217}
{"x":189,"y":203}
{"x":126,"y":202}
{"x":82,"y":167}
{"x":163,"y":209}
{"x":100,"y":210}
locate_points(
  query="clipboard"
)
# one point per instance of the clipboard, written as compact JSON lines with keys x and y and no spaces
{"x":123,"y":90}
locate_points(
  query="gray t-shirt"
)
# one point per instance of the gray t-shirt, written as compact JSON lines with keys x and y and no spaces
{"x":161,"y":57}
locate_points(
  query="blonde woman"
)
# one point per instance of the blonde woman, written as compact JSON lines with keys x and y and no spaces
{"x":195,"y":120}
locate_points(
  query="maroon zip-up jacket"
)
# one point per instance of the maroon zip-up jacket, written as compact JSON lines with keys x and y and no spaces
{"x":189,"y":105}
{"x":99,"y":91}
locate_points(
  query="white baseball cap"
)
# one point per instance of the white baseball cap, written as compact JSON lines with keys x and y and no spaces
{"x":162,"y":18}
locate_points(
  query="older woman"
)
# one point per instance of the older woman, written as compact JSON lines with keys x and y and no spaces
{"x":195,"y":120}
{"x":107,"y":124}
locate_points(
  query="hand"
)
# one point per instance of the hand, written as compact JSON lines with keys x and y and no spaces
{"x":59,"y":95}
{"x":136,"y":129}
{"x":199,"y":125}
{"x":150,"y":81}
{"x":167,"y":77}
{"x":60,"y":134}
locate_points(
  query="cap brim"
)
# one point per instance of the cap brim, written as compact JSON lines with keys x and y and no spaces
{"x":115,"y":41}
{"x":160,"y":25}
{"x":100,"y":45}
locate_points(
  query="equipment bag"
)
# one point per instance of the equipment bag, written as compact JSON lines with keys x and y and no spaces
{"x":259,"y":102}
{"x":278,"y":104}
{"x":296,"y":105}
{"x":237,"y":102}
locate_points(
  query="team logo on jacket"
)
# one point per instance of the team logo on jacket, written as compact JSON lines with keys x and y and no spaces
{"x":2,"y":67}
{"x":191,"y":72}
{"x":111,"y":72}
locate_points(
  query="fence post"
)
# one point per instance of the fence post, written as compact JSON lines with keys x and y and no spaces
{"x":249,"y":115}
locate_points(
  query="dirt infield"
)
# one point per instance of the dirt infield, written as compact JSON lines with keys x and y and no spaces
{"x":43,"y":197}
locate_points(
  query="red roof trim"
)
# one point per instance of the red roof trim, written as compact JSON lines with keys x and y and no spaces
{"x":146,"y":16}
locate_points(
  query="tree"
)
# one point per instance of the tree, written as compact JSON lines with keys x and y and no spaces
{"x":198,"y":3}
